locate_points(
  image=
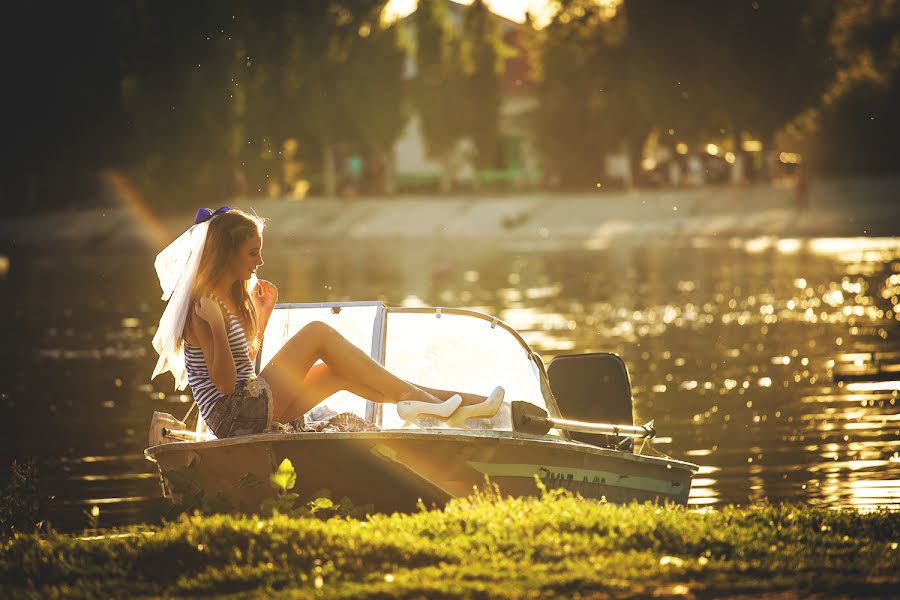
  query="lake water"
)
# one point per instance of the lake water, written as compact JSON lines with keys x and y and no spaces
{"x":770,"y":362}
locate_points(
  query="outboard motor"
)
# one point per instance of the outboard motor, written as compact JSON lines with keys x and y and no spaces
{"x":593,"y":387}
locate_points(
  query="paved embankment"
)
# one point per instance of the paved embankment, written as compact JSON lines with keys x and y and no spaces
{"x":850,"y":207}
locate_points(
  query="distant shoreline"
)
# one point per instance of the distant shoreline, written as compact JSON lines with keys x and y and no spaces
{"x":838,"y":208}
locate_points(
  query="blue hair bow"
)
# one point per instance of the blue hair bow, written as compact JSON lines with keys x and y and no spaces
{"x":204,"y":214}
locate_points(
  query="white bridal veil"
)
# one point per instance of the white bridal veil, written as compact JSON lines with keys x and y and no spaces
{"x":177,"y":267}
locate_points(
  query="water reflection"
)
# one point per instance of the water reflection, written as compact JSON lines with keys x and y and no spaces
{"x":771,"y":362}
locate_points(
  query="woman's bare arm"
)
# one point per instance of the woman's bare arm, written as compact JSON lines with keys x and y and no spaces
{"x":216,"y":350}
{"x":262,"y":321}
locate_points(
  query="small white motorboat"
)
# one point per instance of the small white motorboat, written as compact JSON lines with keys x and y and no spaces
{"x":548,"y":429}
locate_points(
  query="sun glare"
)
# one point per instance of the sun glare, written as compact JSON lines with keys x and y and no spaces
{"x":127,"y":194}
{"x":542,"y":11}
{"x":397,"y":9}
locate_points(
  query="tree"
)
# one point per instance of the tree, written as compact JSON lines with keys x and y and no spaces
{"x":375,"y":91}
{"x":482,"y":55}
{"x":587,"y":105}
{"x":851,"y":128}
{"x":437,"y":87}
{"x":175,"y":95}
{"x":326,"y":32}
{"x":712,"y":69}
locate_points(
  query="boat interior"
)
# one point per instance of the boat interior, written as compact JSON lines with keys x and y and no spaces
{"x":460,"y":350}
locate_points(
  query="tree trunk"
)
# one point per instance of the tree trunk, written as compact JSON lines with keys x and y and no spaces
{"x":447,"y":172}
{"x":738,"y":167}
{"x":633,"y":151}
{"x":32,"y":196}
{"x":329,"y":174}
{"x":769,"y":157}
{"x":390,"y":184}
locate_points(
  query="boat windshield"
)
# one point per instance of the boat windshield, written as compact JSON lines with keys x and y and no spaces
{"x":446,"y":349}
{"x":459,"y":351}
{"x":355,"y":321}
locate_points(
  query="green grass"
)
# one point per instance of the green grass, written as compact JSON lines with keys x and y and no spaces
{"x":483,"y":546}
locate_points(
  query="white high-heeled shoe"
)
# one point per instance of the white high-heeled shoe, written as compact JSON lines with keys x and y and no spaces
{"x":410,"y":410}
{"x":488,"y":408}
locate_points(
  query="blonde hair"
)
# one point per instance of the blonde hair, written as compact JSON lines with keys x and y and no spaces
{"x":227,"y":232}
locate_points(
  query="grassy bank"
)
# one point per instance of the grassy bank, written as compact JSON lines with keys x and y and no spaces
{"x":479,"y":547}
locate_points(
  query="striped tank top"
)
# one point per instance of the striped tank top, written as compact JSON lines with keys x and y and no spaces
{"x":202,"y":387}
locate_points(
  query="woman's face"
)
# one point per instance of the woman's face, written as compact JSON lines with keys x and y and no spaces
{"x":249,"y":257}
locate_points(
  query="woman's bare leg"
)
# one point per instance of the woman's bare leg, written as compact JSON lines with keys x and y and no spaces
{"x":324,"y":382}
{"x":287,"y":372}
{"x":445,"y":394}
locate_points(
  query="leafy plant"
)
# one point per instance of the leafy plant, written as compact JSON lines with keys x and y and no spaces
{"x":289,"y":503}
{"x":20,"y":498}
{"x":284,"y":478}
{"x":249,"y":481}
{"x":189,"y":497}
{"x":93,"y":517}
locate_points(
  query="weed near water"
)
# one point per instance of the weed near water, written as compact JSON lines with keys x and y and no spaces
{"x":21,"y":499}
{"x":483,"y":546}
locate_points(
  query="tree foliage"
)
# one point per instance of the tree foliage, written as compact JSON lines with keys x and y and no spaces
{"x":437,"y":87}
{"x":482,"y":55}
{"x":853,"y":129}
{"x":710,"y":70}
{"x":586,"y":96}
{"x":376,"y":103}
{"x":199,"y":101}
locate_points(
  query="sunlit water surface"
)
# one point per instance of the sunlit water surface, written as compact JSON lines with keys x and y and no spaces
{"x":772,"y":363}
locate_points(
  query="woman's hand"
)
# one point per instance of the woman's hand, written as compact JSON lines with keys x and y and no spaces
{"x":207,"y":308}
{"x":265,"y":296}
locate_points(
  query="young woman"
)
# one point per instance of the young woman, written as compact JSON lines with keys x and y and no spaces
{"x":213,"y":326}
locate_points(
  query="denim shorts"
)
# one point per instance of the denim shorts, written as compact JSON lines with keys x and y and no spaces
{"x":245,"y":412}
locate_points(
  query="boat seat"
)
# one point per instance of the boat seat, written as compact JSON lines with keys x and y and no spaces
{"x":592,"y":387}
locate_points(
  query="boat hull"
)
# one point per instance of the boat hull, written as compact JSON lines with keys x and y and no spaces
{"x":396,"y":470}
